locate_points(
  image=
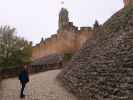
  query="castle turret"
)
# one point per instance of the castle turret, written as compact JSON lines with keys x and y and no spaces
{"x":63,"y":19}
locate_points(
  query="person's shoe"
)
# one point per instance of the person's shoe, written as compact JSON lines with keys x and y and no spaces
{"x":22,"y":96}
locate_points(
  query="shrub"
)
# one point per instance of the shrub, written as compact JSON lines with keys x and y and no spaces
{"x":67,"y":56}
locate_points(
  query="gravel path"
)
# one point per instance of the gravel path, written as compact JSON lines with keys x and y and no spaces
{"x":42,"y":86}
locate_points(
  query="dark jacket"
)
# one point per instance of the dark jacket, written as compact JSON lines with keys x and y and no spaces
{"x":24,"y":76}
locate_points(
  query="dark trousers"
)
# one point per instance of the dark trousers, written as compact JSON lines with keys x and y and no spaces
{"x":22,"y":89}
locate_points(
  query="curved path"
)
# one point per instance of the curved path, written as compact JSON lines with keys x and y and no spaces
{"x":42,"y":86}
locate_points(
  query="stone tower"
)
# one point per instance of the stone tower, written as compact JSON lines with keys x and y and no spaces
{"x":127,"y":2}
{"x":63,"y":19}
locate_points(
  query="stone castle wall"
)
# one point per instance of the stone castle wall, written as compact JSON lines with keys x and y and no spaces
{"x":68,"y":37}
{"x":63,"y":42}
{"x":67,"y":40}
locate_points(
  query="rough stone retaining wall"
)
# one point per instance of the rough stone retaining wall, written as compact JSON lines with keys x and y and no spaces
{"x":103,"y":68}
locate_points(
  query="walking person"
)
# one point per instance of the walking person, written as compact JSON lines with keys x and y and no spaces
{"x":24,"y":79}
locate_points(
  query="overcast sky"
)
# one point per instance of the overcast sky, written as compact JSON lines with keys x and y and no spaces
{"x":34,"y":19}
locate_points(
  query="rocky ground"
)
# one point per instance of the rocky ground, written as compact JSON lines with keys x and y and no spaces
{"x":42,"y":86}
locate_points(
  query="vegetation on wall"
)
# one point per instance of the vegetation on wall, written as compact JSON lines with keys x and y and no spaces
{"x":67,"y":56}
